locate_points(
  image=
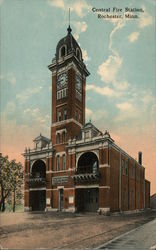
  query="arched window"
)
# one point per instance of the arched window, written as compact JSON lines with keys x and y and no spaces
{"x":65,"y":114}
{"x":59,"y":116}
{"x":58,"y":138}
{"x":57,"y":163}
{"x":63,"y":162}
{"x":88,"y":163}
{"x":39,"y":169}
{"x":63,"y":136}
{"x":63,"y":51}
{"x":78,"y":54}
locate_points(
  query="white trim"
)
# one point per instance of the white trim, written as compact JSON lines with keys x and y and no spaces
{"x":104,"y":187}
{"x":33,"y":162}
{"x":60,"y":153}
{"x":55,"y":189}
{"x":35,"y":189}
{"x":60,"y":187}
{"x":60,"y":105}
{"x":87,"y":186}
{"x":61,"y":131}
{"x":78,"y":155}
{"x":69,"y":188}
{"x":65,"y":122}
{"x":61,"y":171}
{"x":104,"y":166}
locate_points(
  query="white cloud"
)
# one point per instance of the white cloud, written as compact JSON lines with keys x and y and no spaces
{"x":106,"y":91}
{"x":85,"y":55}
{"x":95,"y":116}
{"x":148,"y":98}
{"x":125,"y":106}
{"x":57,"y":3}
{"x":145,"y":20}
{"x":12,"y":79}
{"x":109,"y":69}
{"x":133,"y":37}
{"x":79,"y":28}
{"x":127,"y":112}
{"x":26,"y":94}
{"x":36,"y":116}
{"x":89,"y":112}
{"x":80,"y":7}
{"x":1,"y":1}
{"x":118,"y":25}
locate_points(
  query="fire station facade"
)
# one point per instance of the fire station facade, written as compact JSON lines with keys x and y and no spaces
{"x":79,"y":168}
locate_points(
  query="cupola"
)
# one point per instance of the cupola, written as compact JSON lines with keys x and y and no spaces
{"x":68,"y":45}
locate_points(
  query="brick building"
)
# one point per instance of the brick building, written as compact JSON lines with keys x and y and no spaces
{"x":79,"y":168}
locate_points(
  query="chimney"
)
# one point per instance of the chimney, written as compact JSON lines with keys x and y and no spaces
{"x":140,"y":158}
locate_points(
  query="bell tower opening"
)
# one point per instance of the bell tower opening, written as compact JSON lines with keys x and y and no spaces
{"x":63,"y":51}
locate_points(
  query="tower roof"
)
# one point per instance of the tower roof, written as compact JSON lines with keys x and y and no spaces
{"x":70,"y":44}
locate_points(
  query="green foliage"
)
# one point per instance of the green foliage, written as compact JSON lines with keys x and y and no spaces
{"x":11,"y":181}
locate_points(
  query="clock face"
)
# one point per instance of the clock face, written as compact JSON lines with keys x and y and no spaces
{"x":78,"y":83}
{"x":61,"y":80}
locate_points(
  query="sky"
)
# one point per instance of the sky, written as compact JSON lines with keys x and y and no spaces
{"x":119,"y":54}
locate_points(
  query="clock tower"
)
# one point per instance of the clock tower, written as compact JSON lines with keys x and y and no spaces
{"x":68,"y":91}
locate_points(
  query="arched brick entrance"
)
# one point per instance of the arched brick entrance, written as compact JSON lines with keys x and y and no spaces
{"x":37,"y":185}
{"x":86,"y":180}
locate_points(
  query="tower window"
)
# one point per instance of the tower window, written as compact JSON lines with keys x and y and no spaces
{"x":63,"y":51}
{"x":65,"y":114}
{"x":58,"y":138}
{"x":61,"y":93}
{"x":57,"y":163}
{"x":79,"y":117}
{"x":63,"y":136}
{"x":78,"y":53}
{"x":78,"y":95}
{"x":59,"y":116}
{"x":64,"y":162}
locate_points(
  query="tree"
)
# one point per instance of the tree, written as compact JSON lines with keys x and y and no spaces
{"x":11,"y":180}
{"x":16,"y":181}
{"x":5,"y":175}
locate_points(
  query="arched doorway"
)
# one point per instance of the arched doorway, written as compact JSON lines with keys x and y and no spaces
{"x":37,"y":183}
{"x":88,"y":163}
{"x":86,"y":197}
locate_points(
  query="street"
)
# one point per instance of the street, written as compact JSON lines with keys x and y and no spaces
{"x":53,"y":230}
{"x":143,"y":237}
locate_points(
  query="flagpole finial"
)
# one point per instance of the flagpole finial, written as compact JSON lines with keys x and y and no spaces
{"x":69,"y":29}
{"x":69,"y":16}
